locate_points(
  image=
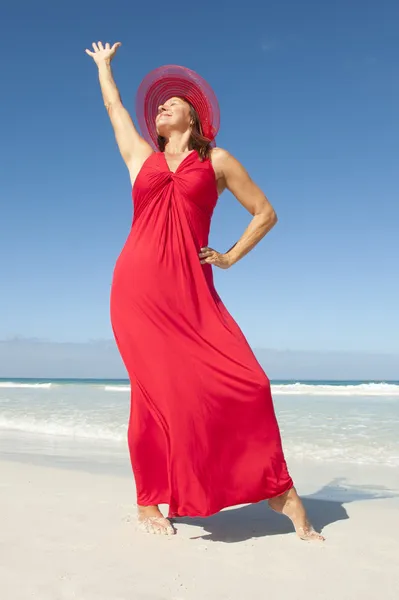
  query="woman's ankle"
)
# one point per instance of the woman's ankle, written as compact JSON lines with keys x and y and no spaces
{"x":148,"y":509}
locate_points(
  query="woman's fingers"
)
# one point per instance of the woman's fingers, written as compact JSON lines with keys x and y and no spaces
{"x":206,"y":252}
{"x":212,"y":257}
{"x":99,"y":46}
{"x":208,"y":260}
{"x":99,"y":49}
{"x":208,"y":256}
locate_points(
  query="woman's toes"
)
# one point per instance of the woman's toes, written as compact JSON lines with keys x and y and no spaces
{"x":310,"y":535}
{"x":156,"y":525}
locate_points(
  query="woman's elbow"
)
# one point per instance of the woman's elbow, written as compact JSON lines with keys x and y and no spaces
{"x":270,"y":217}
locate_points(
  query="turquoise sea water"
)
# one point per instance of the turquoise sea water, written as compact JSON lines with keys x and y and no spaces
{"x":353,"y":422}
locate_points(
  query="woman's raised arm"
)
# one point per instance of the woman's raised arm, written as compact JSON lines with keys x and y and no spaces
{"x":133,"y":148}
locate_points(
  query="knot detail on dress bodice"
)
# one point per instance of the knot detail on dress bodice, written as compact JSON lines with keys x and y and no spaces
{"x":194,"y":182}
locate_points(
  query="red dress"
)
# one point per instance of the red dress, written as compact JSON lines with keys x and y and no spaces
{"x":202,"y":431}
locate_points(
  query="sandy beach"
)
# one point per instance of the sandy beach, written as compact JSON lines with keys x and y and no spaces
{"x":70,"y":534}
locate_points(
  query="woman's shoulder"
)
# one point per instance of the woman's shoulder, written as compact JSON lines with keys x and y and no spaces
{"x":218,"y":158}
{"x":219,"y":154}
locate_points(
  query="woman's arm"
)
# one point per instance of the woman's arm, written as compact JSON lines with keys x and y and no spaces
{"x":232,"y":175}
{"x":133,"y":148}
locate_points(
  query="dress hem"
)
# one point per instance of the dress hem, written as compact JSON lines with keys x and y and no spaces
{"x":182,"y":514}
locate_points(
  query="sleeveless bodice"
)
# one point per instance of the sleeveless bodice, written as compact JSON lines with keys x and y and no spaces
{"x":192,"y":188}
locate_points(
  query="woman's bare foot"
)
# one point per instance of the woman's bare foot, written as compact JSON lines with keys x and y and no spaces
{"x":151,"y":520}
{"x":290,"y":504}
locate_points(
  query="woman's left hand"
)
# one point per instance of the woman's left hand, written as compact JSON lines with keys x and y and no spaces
{"x":211,"y":257}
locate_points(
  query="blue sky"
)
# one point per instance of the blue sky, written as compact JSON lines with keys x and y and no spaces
{"x":309,"y":94}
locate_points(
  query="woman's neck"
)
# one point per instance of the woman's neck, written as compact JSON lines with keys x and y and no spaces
{"x":178,"y":143}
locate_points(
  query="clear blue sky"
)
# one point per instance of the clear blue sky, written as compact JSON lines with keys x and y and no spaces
{"x":309,"y":94}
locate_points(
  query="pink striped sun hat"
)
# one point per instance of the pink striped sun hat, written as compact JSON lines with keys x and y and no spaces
{"x":173,"y":80}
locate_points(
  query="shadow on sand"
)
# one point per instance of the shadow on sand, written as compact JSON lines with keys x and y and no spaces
{"x":324,"y":507}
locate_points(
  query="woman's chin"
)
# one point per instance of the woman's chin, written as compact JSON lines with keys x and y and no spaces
{"x":162,"y":131}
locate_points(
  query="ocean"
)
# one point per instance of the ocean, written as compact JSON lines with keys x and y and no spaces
{"x":80,"y":420}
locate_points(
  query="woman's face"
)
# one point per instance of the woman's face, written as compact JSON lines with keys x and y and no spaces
{"x":174,"y":114}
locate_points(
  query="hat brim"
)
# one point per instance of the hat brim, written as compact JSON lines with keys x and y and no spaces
{"x":169,"y":81}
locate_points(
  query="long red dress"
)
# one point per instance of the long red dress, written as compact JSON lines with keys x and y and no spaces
{"x":202,"y":431}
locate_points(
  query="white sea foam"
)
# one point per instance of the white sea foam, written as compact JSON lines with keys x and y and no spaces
{"x":344,"y":453}
{"x":345,"y":450}
{"x":117,"y":388}
{"x":66,"y":428}
{"x":361,"y":389}
{"x":303,"y":389}
{"x":13,"y":384}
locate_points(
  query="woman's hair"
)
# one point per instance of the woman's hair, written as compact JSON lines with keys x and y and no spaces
{"x":197,"y":141}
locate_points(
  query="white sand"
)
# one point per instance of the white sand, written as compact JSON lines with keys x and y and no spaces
{"x":71,"y":535}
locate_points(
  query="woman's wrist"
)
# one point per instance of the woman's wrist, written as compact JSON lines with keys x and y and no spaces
{"x":230,"y":257}
{"x":104,"y":64}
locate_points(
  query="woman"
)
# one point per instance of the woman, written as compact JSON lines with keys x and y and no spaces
{"x":202,"y":431}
